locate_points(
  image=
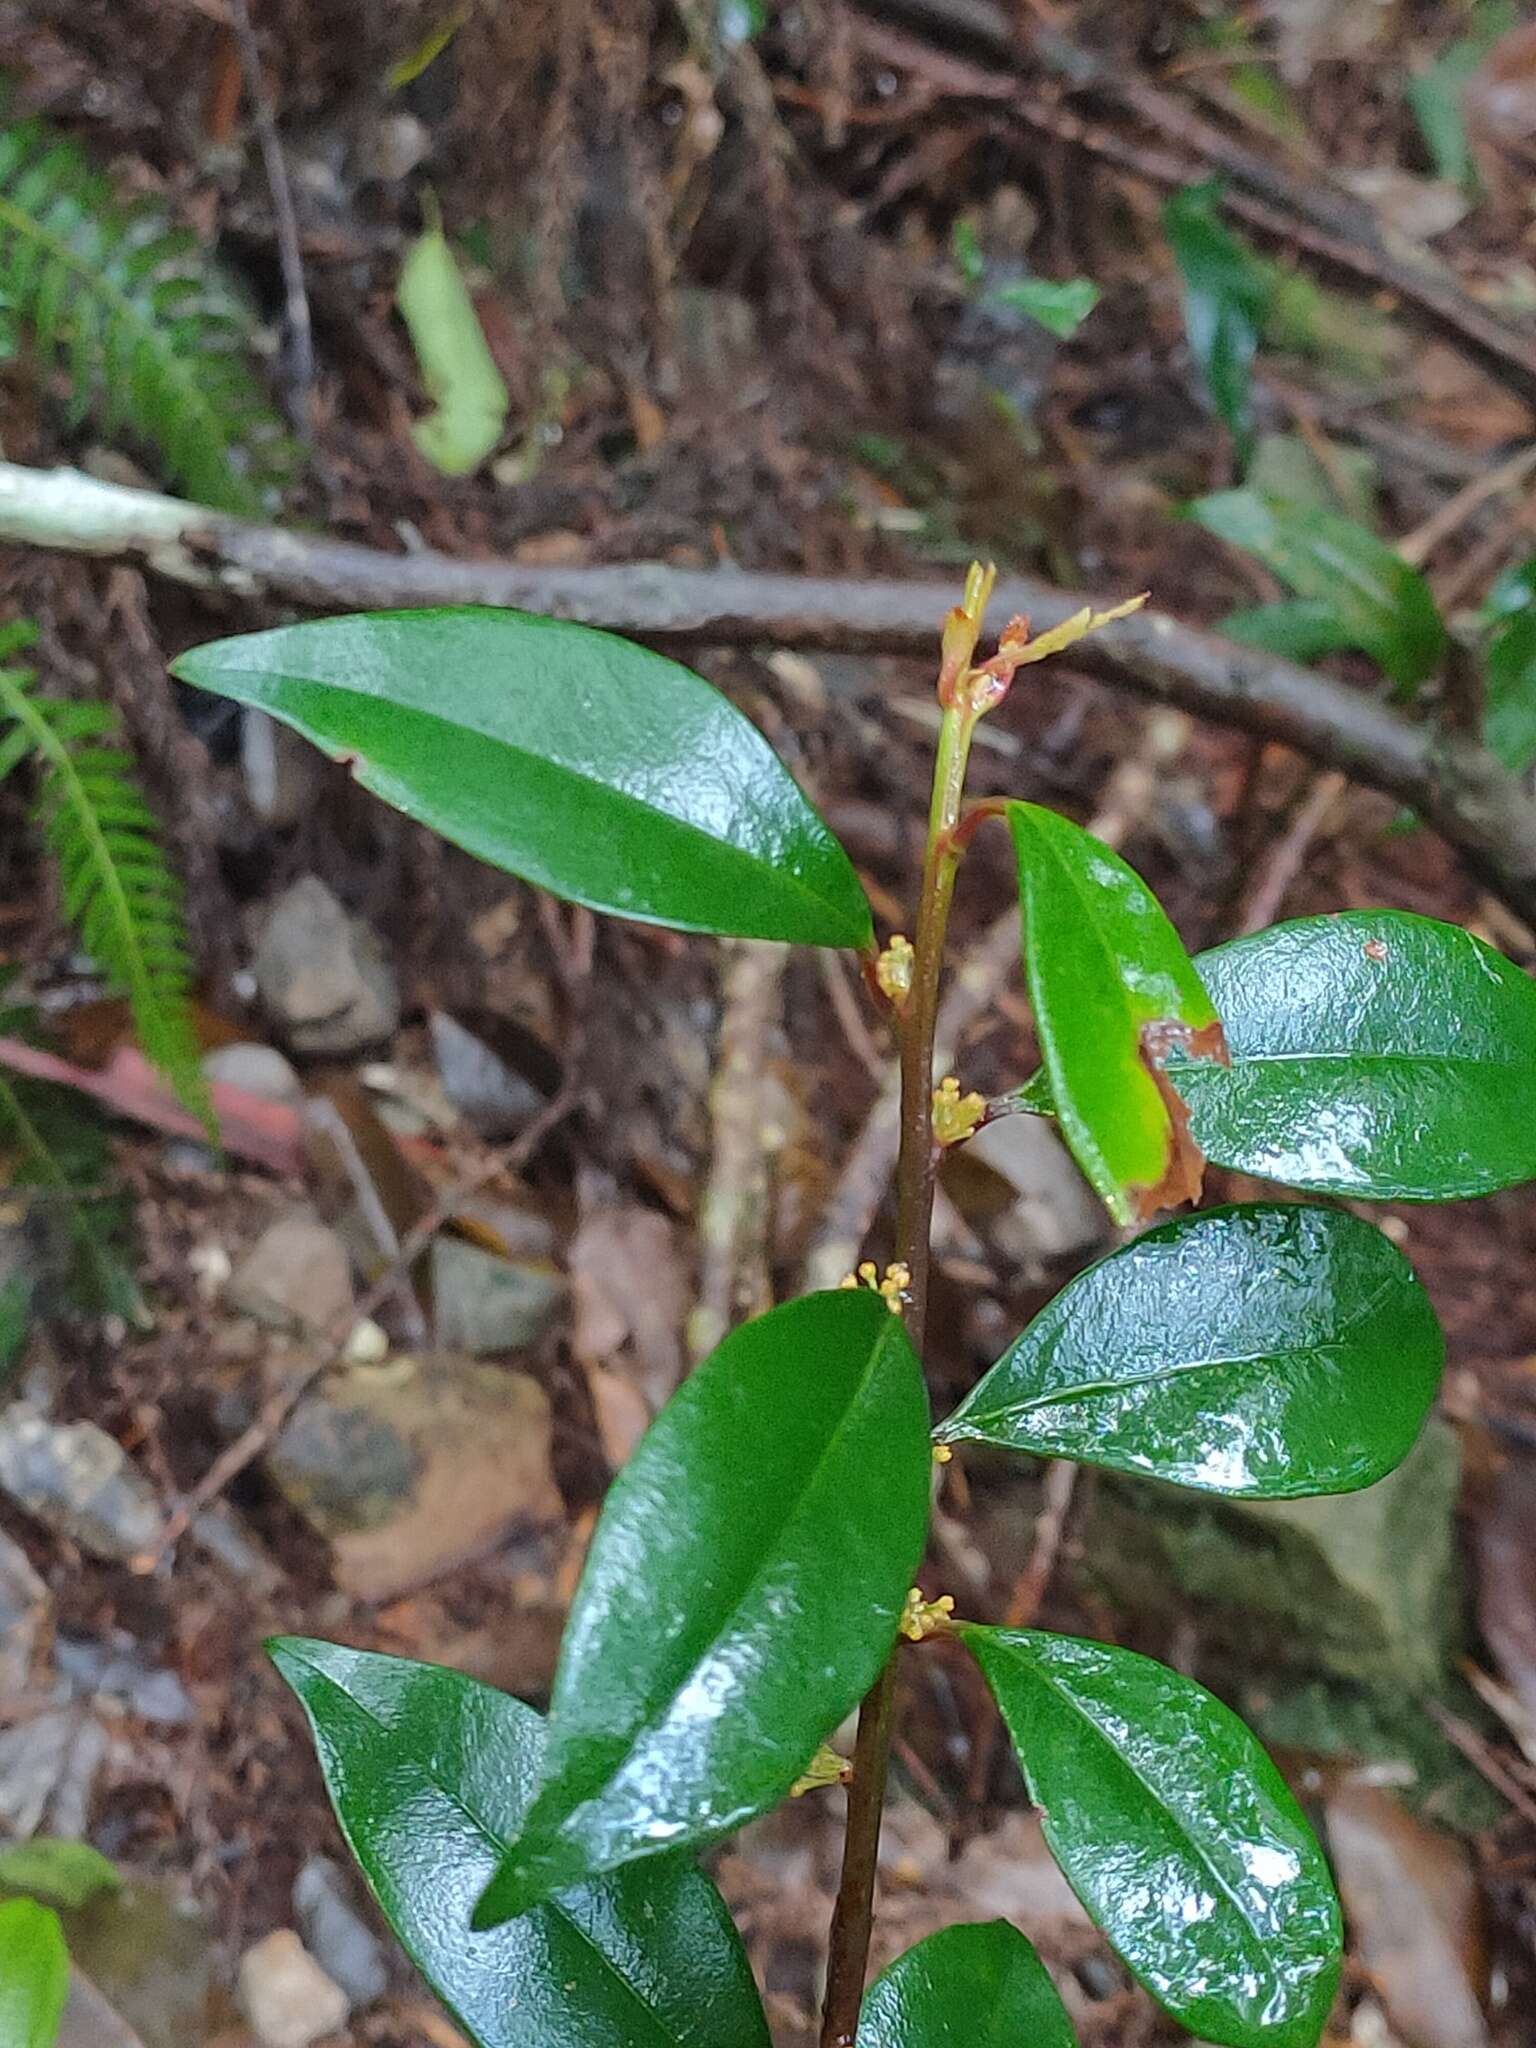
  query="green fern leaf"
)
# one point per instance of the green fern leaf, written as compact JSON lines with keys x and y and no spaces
{"x":145,"y":333}
{"x":117,"y":887}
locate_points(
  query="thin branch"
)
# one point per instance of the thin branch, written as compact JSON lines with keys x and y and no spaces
{"x":1449,"y":780}
{"x":285,"y":221}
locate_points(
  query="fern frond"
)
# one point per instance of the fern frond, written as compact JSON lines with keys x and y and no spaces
{"x":146,"y":332}
{"x":117,"y":887}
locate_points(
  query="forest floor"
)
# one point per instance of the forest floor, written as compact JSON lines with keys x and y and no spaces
{"x":717,"y":265}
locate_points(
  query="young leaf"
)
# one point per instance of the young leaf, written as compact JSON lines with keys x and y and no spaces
{"x":1374,"y":1054}
{"x":979,"y":1986}
{"x":577,"y":760}
{"x":1176,"y":1832}
{"x":741,"y":1591}
{"x":1227,"y":291}
{"x":1384,"y":603}
{"x":1114,"y":993}
{"x":57,"y":1872}
{"x":1271,"y":1351}
{"x":431,"y":1773}
{"x":34,"y":1975}
{"x":1061,"y":306}
{"x":457,"y":366}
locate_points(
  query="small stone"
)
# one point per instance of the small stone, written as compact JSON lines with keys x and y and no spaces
{"x":256,"y":1070}
{"x":296,"y":1275}
{"x":484,"y":1304}
{"x":491,"y":1096}
{"x":286,"y":1996}
{"x":23,"y":1611}
{"x":341,"y":1941}
{"x":322,"y":974}
{"x":77,"y":1480}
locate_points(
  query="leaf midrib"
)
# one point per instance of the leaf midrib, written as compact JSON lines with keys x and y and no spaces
{"x":499,"y":1850}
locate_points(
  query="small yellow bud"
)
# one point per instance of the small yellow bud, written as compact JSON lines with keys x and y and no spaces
{"x":922,"y":1618}
{"x":942,"y":1454}
{"x":955,"y":1116}
{"x":897,"y":1279}
{"x":826,"y":1767}
{"x":893,"y":970}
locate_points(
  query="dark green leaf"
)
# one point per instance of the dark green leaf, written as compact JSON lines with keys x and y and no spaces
{"x":978,"y":1986}
{"x":1301,"y":629}
{"x":1176,"y":1832}
{"x":1271,"y":1351}
{"x":1383,"y":602}
{"x":575,"y":759}
{"x":741,"y":1592}
{"x":58,"y":1873}
{"x":34,"y":1975}
{"x":1227,"y":291}
{"x":1509,"y":722}
{"x":431,"y":1774}
{"x":1374,"y":1054}
{"x":1113,"y":992}
{"x":1060,"y":306}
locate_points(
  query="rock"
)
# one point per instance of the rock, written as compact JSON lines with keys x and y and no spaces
{"x":1361,"y":1586}
{"x":1416,"y":1918}
{"x":77,"y":1480}
{"x":147,"y":1950}
{"x":322,"y":975}
{"x":285,"y":1994}
{"x":257,"y":1069}
{"x":1016,"y":1181}
{"x":296,"y":1275}
{"x":23,"y":1613}
{"x":491,"y":1096}
{"x":414,"y":1466}
{"x":338,"y":1937}
{"x":483,"y":1304}
{"x":48,"y":1767}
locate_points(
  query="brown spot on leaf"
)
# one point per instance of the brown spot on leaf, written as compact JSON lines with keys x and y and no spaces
{"x":1184,"y":1175}
{"x":1375,"y":949}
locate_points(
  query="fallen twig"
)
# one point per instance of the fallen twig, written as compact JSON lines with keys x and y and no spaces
{"x":1451,"y":781}
{"x":301,"y":347}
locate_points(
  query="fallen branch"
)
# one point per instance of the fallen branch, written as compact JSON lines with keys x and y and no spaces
{"x":1450,"y":780}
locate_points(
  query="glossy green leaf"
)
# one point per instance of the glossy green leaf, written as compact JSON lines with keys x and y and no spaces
{"x":1383,"y":601}
{"x":34,"y":1975}
{"x":1301,"y":629}
{"x":1176,"y":1832}
{"x":1227,"y":290}
{"x":741,"y":1592}
{"x":1270,"y":1351}
{"x":59,"y":1873}
{"x":1113,"y":991}
{"x":1061,"y":306}
{"x":977,"y":1986}
{"x":577,"y":760}
{"x":1374,"y":1054}
{"x":431,"y":1773}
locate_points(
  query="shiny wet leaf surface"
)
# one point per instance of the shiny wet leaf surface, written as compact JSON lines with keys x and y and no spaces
{"x":1176,"y":1831}
{"x":1270,"y":1350}
{"x":978,"y":1986}
{"x":741,"y":1592}
{"x":430,"y":1774}
{"x":575,"y":759}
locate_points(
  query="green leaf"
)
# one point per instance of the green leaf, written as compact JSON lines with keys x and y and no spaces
{"x":34,"y":1975}
{"x":457,"y":366}
{"x":431,"y":1773}
{"x":741,"y":1592}
{"x":1509,"y":721}
{"x":1062,"y":306}
{"x":1227,"y":290}
{"x":59,"y":1873}
{"x":1271,"y":1351}
{"x":1374,"y":1054}
{"x":979,"y":1986}
{"x":595,"y":768}
{"x":1301,"y":629}
{"x":1383,"y":602}
{"x":1113,"y":992}
{"x":1176,"y":1832}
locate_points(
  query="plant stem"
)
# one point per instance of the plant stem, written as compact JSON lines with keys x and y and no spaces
{"x":916,"y":1172}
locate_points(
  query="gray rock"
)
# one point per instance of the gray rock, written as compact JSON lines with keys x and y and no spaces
{"x":78,"y":1481}
{"x":484,"y":1305}
{"x":23,"y":1612}
{"x":338,"y":1937}
{"x":322,"y":975}
{"x":486,"y":1092}
{"x":258,"y":1069}
{"x":296,"y":1275}
{"x":286,"y":1996}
